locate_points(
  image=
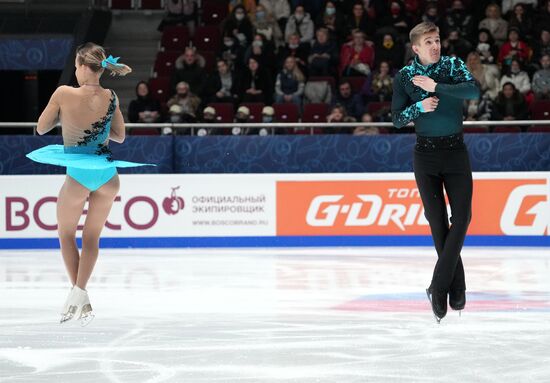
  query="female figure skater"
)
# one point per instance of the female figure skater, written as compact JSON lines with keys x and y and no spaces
{"x":90,"y":116}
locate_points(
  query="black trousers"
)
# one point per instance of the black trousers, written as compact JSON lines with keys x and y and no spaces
{"x":443,"y":163}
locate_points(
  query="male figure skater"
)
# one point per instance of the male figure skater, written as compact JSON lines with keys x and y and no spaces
{"x":430,"y":92}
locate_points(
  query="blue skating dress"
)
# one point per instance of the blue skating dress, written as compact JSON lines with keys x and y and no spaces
{"x":89,"y":162}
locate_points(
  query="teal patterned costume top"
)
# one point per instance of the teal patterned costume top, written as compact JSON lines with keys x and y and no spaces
{"x":454,"y":84}
{"x":89,"y":162}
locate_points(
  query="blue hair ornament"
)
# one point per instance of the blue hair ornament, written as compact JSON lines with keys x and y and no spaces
{"x":110,"y":60}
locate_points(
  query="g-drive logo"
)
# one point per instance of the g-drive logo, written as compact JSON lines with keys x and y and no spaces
{"x":325,"y":209}
{"x":540,"y":225}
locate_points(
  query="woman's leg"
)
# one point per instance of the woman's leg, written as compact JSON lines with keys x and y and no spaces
{"x":99,"y":206}
{"x":70,"y":204}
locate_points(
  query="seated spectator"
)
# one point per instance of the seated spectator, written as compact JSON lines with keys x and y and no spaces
{"x":516,"y":76}
{"x":542,"y":20}
{"x":222,"y":85}
{"x":255,"y":84}
{"x":455,"y":45}
{"x":316,"y":92}
{"x":510,"y":104}
{"x":300,"y":22}
{"x":352,"y":103}
{"x":542,"y":46}
{"x":190,"y":72}
{"x":294,"y":48}
{"x":478,"y":109}
{"x":486,"y":47}
{"x":238,"y":25}
{"x":541,"y":79}
{"x":144,"y":108}
{"x":232,"y":52}
{"x":357,"y":56}
{"x":323,"y":58}
{"x":242,"y":116}
{"x":366,"y":130}
{"x":180,"y":12}
{"x":280,"y":9}
{"x":263,"y":51}
{"x":183,"y":106}
{"x":248,"y":5}
{"x":522,"y":21}
{"x":289,"y":86}
{"x":508,"y":5}
{"x":488,"y":76}
{"x":390,"y":51}
{"x":458,"y":19}
{"x":431,"y":14}
{"x":513,"y":48}
{"x":395,"y":21}
{"x":209,"y":116}
{"x":359,"y":19}
{"x":338,"y":114}
{"x":264,"y":24}
{"x":333,"y":21}
{"x":268,"y":116}
{"x":382,"y":83}
{"x":495,"y":24}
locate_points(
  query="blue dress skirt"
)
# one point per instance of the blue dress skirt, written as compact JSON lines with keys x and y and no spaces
{"x":83,"y":163}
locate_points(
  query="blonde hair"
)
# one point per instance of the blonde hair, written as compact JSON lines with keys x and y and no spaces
{"x":421,"y":29}
{"x":93,"y":55}
{"x":296,"y":72}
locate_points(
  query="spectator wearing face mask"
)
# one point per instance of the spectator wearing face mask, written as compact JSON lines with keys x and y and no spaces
{"x":300,"y":23}
{"x":209,"y":116}
{"x":333,"y":20}
{"x":239,"y":26}
{"x":264,"y":24}
{"x":458,"y":19}
{"x":431,"y":14}
{"x":232,"y":52}
{"x":391,"y":51}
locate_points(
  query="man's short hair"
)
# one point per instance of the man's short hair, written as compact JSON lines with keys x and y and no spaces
{"x":421,"y":29}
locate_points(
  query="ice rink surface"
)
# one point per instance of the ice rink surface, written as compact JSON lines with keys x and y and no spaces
{"x":340,"y":315}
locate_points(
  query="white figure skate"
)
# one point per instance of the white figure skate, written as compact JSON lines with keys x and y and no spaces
{"x":77,"y":306}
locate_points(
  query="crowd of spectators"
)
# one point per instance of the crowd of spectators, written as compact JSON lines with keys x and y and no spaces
{"x":316,"y":51}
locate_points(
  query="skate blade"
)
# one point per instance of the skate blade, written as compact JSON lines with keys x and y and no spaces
{"x":437,"y":319}
{"x":67,"y":316}
{"x":86,"y":315}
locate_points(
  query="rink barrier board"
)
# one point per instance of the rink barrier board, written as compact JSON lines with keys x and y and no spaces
{"x":331,"y":209}
{"x":280,"y":241}
{"x":331,"y":153}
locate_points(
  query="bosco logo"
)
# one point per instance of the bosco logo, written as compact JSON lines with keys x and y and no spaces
{"x":173,"y":204}
{"x":513,"y":221}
